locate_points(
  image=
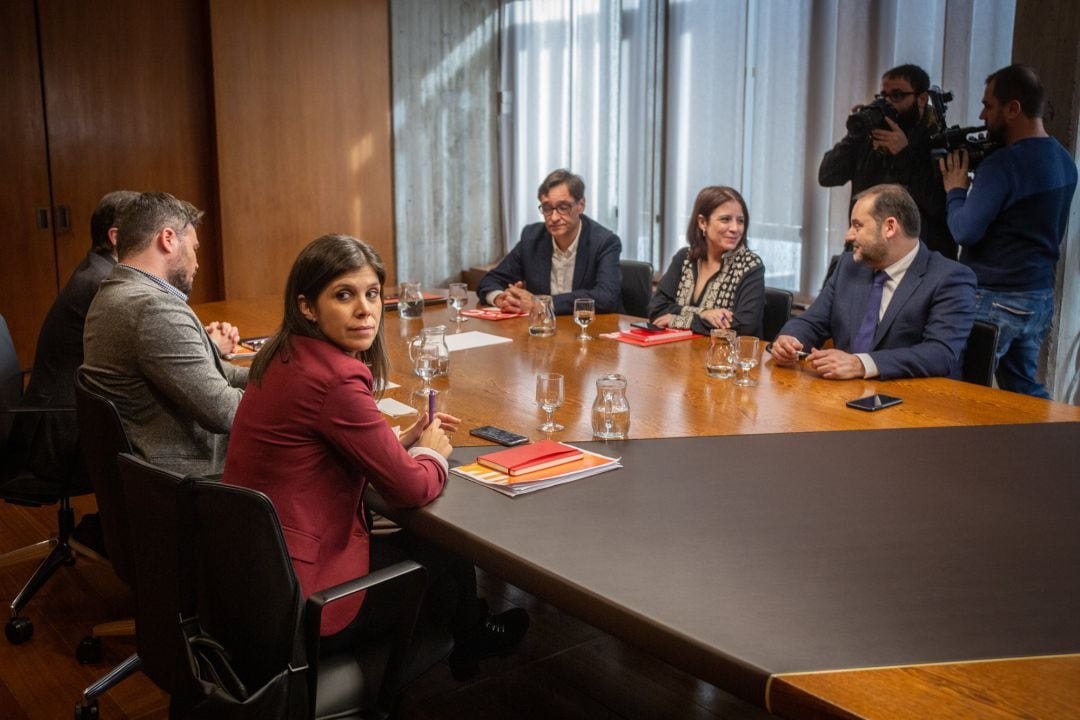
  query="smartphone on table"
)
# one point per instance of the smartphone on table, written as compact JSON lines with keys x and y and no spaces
{"x":877,"y":401}
{"x":499,"y":435}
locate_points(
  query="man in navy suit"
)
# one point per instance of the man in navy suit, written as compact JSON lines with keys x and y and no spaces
{"x":893,"y":308}
{"x":568,"y":256}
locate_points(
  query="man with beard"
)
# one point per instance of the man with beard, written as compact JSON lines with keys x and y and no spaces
{"x":893,"y":308}
{"x":1011,"y":223}
{"x":147,"y":351}
{"x":898,"y":153}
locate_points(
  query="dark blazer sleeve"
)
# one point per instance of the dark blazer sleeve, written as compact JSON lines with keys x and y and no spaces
{"x":928,"y":334}
{"x":597,"y":274}
{"x":510,"y":269}
{"x":663,"y":299}
{"x":814,"y":326}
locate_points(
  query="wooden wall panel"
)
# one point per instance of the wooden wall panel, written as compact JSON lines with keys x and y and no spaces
{"x":302,"y":103}
{"x":128,"y":103}
{"x":28,"y":280}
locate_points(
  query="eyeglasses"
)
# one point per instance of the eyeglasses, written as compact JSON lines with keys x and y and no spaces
{"x":562,"y":208}
{"x":895,"y":95}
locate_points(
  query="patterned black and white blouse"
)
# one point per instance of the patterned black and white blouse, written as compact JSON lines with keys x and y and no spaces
{"x":739,"y":286}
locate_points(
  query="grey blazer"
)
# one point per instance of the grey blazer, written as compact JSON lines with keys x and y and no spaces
{"x":147,"y":352}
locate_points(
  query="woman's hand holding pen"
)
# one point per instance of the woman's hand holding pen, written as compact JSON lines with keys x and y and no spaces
{"x":415,"y":433}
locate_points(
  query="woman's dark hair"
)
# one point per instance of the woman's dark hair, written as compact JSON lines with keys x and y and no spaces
{"x":319,"y":264}
{"x":707,"y":201}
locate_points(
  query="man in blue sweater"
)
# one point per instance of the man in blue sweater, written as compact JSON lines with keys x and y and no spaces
{"x":1010,"y":224}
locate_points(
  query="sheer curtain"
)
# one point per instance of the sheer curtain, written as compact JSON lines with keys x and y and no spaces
{"x":580,"y":90}
{"x":742,"y":92}
{"x":758,"y":91}
{"x":445,"y":60}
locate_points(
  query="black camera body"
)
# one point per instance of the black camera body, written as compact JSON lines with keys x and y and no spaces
{"x":871,"y":116}
{"x":974,"y":140}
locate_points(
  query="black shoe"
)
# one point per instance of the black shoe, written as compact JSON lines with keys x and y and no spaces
{"x":496,"y":637}
{"x":88,"y":534}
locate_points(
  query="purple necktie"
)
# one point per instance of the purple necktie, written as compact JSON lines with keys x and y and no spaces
{"x":864,"y":338}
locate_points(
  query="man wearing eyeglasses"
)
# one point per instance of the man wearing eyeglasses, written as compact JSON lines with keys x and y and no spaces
{"x":567,"y":256}
{"x":896,"y":151}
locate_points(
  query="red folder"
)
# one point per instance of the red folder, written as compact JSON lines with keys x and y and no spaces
{"x":528,"y":458}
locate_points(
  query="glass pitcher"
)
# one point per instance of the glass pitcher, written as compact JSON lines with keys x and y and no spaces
{"x":410,"y":300}
{"x":542,"y":316}
{"x":611,"y":411}
{"x":436,"y":336}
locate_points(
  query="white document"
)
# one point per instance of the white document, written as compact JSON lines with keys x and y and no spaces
{"x":473,"y":339}
{"x":394,"y":408}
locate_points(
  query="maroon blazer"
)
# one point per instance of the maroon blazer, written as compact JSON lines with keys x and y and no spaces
{"x":311,"y":438}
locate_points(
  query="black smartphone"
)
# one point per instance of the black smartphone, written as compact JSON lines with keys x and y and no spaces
{"x":643,"y":325}
{"x":874,"y":402}
{"x":497,"y":434}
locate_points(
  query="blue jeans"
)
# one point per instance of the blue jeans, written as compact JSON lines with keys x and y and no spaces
{"x":1023,"y":319}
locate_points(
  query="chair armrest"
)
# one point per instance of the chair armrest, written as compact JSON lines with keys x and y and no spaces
{"x":413,"y":576}
{"x":36,"y":410}
{"x":407,"y":571}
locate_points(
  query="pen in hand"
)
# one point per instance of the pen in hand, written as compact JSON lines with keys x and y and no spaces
{"x":430,"y":407}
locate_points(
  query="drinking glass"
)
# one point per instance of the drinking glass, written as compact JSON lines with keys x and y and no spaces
{"x":549,"y":396}
{"x":746,"y":354}
{"x":426,"y":363}
{"x":584,"y":313}
{"x":459,"y":298}
{"x":720,"y":357}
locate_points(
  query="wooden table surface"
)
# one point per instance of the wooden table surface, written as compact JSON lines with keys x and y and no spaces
{"x":671,"y":396}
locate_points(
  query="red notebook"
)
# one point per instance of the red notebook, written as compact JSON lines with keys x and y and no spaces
{"x":528,"y":458}
{"x":637,"y":336}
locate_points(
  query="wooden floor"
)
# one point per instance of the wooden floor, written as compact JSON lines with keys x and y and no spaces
{"x":565,"y":669}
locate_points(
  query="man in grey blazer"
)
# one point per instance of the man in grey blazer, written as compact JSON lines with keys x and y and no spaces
{"x":893,"y":308}
{"x":147,"y":351}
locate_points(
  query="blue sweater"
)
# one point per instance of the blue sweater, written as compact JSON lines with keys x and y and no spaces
{"x":1010,"y":224}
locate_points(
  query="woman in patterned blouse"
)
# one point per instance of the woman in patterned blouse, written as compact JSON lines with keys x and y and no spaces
{"x":716,"y":282}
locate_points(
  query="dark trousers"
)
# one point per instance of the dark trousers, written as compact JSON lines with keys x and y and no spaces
{"x":449,"y":604}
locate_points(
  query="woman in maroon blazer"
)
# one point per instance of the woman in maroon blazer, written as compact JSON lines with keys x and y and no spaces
{"x":309,"y":435}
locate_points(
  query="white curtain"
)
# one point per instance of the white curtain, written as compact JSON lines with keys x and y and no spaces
{"x":753,"y":92}
{"x":580,"y":91}
{"x":445,"y":59}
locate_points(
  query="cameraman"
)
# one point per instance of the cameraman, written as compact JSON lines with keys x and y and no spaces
{"x":897,"y":151}
{"x":1011,"y":222}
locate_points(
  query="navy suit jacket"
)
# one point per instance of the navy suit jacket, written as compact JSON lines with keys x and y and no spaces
{"x":924,"y":330}
{"x":596,"y":268}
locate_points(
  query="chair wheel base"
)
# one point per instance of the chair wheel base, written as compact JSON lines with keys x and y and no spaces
{"x":86,"y":712}
{"x":89,"y":652}
{"x":18,"y":630}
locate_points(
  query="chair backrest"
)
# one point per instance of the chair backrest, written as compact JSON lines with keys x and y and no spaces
{"x":777,"y":312}
{"x":248,"y":596}
{"x":636,"y":286}
{"x":151,"y":497}
{"x":11,"y":380}
{"x":101,"y":440}
{"x":981,"y":353}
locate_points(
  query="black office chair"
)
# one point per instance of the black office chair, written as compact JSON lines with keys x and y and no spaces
{"x":247,"y":596}
{"x":777,"y":312}
{"x":636,"y":286}
{"x":102,"y":439}
{"x":980,"y":355}
{"x":20,"y":486}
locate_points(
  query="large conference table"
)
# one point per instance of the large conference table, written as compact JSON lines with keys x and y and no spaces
{"x":762,"y":539}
